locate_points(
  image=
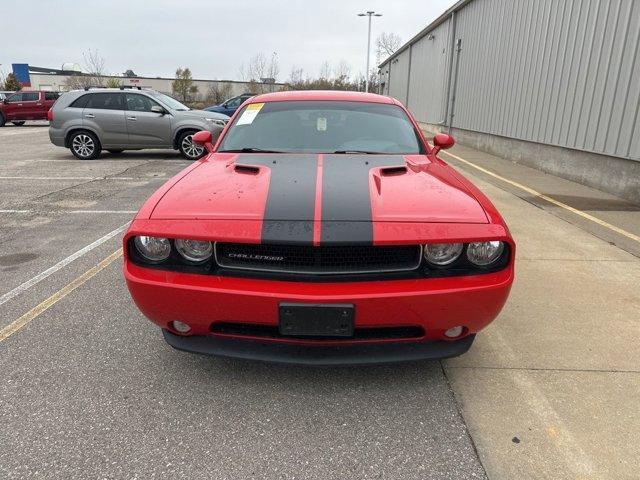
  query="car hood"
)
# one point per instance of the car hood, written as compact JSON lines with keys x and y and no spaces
{"x":343,"y":194}
{"x":215,"y":108}
{"x":204,"y":114}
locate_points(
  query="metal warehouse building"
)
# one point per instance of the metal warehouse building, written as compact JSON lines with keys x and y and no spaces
{"x":554,"y":84}
{"x":40,"y":78}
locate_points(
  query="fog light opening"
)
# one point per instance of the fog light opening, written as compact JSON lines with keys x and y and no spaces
{"x":180,"y":327}
{"x":454,"y":332}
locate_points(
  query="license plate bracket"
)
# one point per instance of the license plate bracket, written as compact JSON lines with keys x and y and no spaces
{"x":316,"y":320}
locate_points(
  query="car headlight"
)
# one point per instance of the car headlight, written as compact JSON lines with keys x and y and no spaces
{"x":442,"y":253}
{"x":216,"y":121}
{"x":195,"y":251}
{"x":484,"y":253}
{"x":153,"y":249}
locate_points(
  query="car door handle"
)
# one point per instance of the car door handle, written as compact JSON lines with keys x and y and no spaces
{"x":39,"y":104}
{"x":89,"y":115}
{"x":131,"y":118}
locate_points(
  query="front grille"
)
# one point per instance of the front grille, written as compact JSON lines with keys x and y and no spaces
{"x":360,"y":333}
{"x":322,"y":260}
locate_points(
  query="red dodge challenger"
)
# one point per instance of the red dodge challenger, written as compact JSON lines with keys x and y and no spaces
{"x":321,"y":228}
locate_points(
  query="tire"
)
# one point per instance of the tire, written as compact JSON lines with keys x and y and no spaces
{"x":115,"y":151}
{"x":187,"y":148}
{"x":18,"y":123}
{"x":84,"y":145}
{"x":2,"y":120}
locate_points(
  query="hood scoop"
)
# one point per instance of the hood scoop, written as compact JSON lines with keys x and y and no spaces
{"x":247,"y":169}
{"x":390,"y":171}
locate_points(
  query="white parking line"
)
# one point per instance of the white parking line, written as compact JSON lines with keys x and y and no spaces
{"x":127,"y":212}
{"x":80,"y":178}
{"x":61,"y":264}
{"x":103,"y":211}
{"x":17,"y":132}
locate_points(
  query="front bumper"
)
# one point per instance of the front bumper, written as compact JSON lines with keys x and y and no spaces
{"x":433,"y":304}
{"x":321,"y":355}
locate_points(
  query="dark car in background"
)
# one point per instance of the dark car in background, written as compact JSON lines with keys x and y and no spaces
{"x":229,"y":106}
{"x":18,"y":107}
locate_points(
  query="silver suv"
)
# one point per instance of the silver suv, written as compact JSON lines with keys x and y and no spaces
{"x":87,"y":121}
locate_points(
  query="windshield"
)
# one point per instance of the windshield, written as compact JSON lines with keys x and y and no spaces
{"x":322,"y":127}
{"x":170,"y":102}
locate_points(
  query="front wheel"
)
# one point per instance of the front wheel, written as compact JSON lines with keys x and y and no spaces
{"x":85,"y":145}
{"x":188,"y":149}
{"x":18,"y":123}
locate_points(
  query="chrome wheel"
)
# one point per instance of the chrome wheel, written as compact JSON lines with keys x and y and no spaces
{"x":83,"y":145}
{"x":190,"y":149}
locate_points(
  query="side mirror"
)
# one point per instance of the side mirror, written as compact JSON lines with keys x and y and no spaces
{"x":442,"y":141}
{"x":158,"y":109}
{"x":203,"y":139}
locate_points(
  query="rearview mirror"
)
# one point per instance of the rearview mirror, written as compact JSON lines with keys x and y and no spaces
{"x":203,"y":139}
{"x":442,"y":141}
{"x":158,"y":109}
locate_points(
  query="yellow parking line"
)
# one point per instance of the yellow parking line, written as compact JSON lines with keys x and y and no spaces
{"x":535,"y":193}
{"x":16,"y":325}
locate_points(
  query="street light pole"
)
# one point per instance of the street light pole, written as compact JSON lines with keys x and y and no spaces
{"x":369,"y":14}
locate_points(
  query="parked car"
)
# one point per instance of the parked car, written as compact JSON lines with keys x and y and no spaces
{"x":229,"y":107}
{"x":321,"y":229}
{"x":88,"y":121}
{"x":19,"y":107}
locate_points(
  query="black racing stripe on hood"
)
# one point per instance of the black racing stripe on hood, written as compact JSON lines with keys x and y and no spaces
{"x":346,"y":200}
{"x":289,"y":210}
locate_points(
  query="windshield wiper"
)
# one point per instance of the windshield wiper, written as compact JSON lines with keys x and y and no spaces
{"x":364,"y":152}
{"x":249,"y":150}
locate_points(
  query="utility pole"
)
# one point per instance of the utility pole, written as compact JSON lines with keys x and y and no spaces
{"x":369,"y":14}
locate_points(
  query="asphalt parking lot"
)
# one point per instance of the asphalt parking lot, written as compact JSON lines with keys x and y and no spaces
{"x":90,"y":390}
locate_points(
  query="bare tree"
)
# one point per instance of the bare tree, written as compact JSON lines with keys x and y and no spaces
{"x":326,"y":70}
{"x":386,"y":45}
{"x":94,"y":73}
{"x":296,"y":77}
{"x":343,"y":71}
{"x":218,"y":92}
{"x":274,"y":68}
{"x":257,"y":67}
{"x":261,"y":73}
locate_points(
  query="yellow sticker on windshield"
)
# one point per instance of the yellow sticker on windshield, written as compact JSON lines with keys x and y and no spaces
{"x":250,"y":113}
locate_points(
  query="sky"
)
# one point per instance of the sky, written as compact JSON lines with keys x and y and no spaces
{"x":213,"y":38}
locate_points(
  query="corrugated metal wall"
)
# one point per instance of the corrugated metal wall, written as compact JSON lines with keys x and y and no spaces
{"x":429,"y":74}
{"x":399,"y":70}
{"x":560,"y":72}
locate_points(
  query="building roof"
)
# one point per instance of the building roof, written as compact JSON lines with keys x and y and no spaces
{"x":54,"y":71}
{"x":425,"y":31}
{"x":338,"y":95}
